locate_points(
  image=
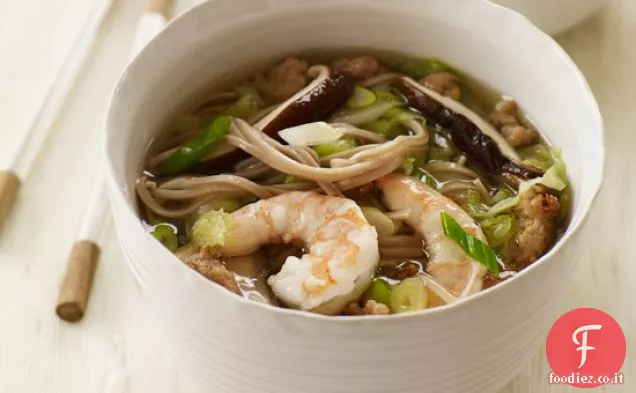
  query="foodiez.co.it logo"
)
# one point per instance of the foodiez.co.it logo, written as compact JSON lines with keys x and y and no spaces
{"x":586,"y":348}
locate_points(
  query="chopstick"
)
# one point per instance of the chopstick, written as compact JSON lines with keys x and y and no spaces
{"x":82,"y":262}
{"x":9,"y":188}
{"x":10,"y":180}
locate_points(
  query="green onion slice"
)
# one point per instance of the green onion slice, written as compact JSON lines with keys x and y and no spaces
{"x":192,"y":152}
{"x":167,"y":235}
{"x":380,"y":291}
{"x":361,"y":97}
{"x":474,"y":247}
{"x":409,"y":295}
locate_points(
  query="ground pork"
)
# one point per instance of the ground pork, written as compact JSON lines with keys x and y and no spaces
{"x":371,"y":307}
{"x":537,"y":212}
{"x":282,"y":80}
{"x":361,"y":67}
{"x":506,"y":118}
{"x":209,"y":266}
{"x":443,"y":83}
{"x":490,"y":280}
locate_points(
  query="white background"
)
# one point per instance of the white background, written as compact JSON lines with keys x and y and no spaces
{"x":113,"y":350}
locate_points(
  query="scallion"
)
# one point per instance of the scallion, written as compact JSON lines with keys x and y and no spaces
{"x":380,"y":291}
{"x":474,"y":247}
{"x":342,"y":144}
{"x":425,"y":177}
{"x":167,"y":235}
{"x":382,"y":223}
{"x":361,"y":98}
{"x":192,"y":152}
{"x":409,"y":295}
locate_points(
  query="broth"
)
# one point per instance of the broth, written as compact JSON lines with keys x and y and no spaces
{"x":343,"y":183}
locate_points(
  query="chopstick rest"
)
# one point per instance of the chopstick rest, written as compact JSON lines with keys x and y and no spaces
{"x":78,"y":281}
{"x":9,"y":187}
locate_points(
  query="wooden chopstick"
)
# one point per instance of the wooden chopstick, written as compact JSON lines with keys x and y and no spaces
{"x":163,"y":7}
{"x":83,"y":260}
{"x":76,"y":287}
{"x":9,"y":188}
{"x":10,"y":177}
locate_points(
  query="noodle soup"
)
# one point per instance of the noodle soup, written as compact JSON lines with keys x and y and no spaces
{"x":357,"y":185}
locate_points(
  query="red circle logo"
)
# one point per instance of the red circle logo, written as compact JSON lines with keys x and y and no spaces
{"x":586,"y":348}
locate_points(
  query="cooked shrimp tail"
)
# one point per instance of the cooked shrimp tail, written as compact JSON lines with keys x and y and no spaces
{"x":448,"y":263}
{"x":342,"y":247}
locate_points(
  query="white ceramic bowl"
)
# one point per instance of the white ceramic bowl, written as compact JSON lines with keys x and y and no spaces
{"x":555,"y":16}
{"x":232,"y":345}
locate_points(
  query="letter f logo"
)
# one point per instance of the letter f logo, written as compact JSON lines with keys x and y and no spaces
{"x":583,"y":344}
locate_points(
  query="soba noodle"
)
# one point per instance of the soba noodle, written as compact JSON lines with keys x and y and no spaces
{"x":355,"y":168}
{"x":380,"y":119}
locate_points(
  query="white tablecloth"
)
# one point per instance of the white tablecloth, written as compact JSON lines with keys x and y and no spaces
{"x":113,"y":350}
{"x":43,"y":45}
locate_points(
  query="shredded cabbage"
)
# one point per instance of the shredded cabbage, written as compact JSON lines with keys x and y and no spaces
{"x":501,"y":194}
{"x":247,"y":105}
{"x":499,"y":229}
{"x":474,"y":206}
{"x":500,"y":226}
{"x":554,"y":178}
{"x":403,"y":115}
{"x":413,"y":163}
{"x":537,"y":155}
{"x":213,"y":229}
{"x":389,"y":128}
{"x":387,"y":94}
{"x":419,"y":68}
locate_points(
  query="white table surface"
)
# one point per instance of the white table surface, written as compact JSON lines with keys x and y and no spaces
{"x":113,"y":349}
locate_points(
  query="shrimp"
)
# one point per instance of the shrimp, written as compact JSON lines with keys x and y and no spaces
{"x":448,"y":263}
{"x":342,"y":248}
